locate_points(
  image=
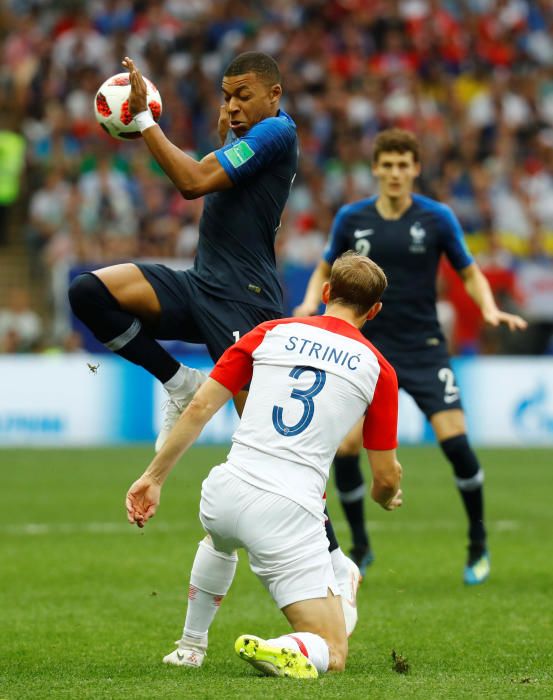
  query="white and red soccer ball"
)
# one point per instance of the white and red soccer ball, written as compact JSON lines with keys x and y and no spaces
{"x":111,"y":106}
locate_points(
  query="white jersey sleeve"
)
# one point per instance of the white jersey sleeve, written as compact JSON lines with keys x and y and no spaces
{"x":311,"y":381}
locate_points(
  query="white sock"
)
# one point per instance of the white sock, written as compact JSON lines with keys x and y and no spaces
{"x":307,"y":643}
{"x":185,"y":379}
{"x":176,"y":380}
{"x":339,"y":564}
{"x":211,"y":577}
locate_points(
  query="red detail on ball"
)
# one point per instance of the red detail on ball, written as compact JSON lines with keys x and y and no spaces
{"x":155,"y":109}
{"x":125,"y":116}
{"x":120,"y":80}
{"x":102,"y":105}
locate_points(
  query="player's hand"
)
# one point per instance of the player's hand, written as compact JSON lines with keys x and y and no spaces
{"x":496,"y":318}
{"x":305,"y":310}
{"x":394,"y":502}
{"x":138,"y":98}
{"x":223,"y":125}
{"x":142,"y":501}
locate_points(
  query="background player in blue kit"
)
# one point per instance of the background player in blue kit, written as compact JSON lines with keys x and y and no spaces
{"x":233,"y":285}
{"x":406,"y":234}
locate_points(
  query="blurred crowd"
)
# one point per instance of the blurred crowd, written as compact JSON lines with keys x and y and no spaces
{"x":473,"y":79}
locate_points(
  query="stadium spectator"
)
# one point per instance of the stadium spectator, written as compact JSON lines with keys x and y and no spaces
{"x":535,"y":278}
{"x":20,"y":326}
{"x":48,"y":210}
{"x":12,"y":154}
{"x":78,"y":44}
{"x":476,"y":84}
{"x":106,"y":207}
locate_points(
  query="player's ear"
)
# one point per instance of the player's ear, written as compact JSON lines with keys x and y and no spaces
{"x":374,"y":310}
{"x":275,"y":93}
{"x":325,"y":293}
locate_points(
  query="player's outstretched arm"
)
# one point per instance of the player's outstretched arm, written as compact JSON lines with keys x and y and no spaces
{"x":143,"y":496}
{"x":386,"y":471}
{"x":478,"y":288}
{"x":192,"y":178}
{"x":312,"y":298}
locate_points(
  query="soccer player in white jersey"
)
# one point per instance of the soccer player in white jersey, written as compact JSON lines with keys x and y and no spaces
{"x":311,"y":379}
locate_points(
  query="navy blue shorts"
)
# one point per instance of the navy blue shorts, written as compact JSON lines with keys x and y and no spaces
{"x":426,"y":375}
{"x":190,"y":314}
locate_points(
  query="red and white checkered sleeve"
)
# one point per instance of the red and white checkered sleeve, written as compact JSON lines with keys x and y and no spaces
{"x":380,"y":425}
{"x":235,"y":366}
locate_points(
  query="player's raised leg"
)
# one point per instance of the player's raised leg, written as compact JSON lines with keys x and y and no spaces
{"x":318,"y":643}
{"x":211,"y":577}
{"x":450,"y":430}
{"x":122,"y":309}
{"x":350,"y":486}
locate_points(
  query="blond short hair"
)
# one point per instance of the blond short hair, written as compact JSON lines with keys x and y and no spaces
{"x":356,"y":281}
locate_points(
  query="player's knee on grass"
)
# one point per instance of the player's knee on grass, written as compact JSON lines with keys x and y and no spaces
{"x":325,"y":618}
{"x":338,"y":652}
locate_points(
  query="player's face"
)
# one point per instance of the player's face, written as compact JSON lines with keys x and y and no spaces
{"x":249,"y":100}
{"x":396,"y":173}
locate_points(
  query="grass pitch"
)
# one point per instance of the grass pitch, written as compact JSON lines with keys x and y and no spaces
{"x":89,"y":605}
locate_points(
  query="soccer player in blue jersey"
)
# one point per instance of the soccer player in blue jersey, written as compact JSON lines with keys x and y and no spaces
{"x":406,"y":234}
{"x":233,"y":285}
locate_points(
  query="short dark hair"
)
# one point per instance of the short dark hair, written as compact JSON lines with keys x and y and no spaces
{"x":356,"y":281}
{"x":396,"y":141}
{"x":255,"y":62}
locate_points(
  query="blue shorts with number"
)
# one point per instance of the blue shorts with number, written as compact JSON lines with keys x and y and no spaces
{"x":426,"y":375}
{"x":188,"y":313}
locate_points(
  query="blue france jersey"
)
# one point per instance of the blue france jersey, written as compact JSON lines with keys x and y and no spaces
{"x":408,"y":250}
{"x":236,"y":255}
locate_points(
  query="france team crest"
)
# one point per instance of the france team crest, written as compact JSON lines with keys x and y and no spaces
{"x":418,"y":235}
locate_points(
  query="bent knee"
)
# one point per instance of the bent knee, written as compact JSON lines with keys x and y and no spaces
{"x":81,"y":290}
{"x":337,"y":657}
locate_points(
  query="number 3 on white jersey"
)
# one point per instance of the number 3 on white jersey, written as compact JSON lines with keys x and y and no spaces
{"x":303,"y":395}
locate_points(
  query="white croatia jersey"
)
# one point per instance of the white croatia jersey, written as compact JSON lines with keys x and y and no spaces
{"x":312,"y":379}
